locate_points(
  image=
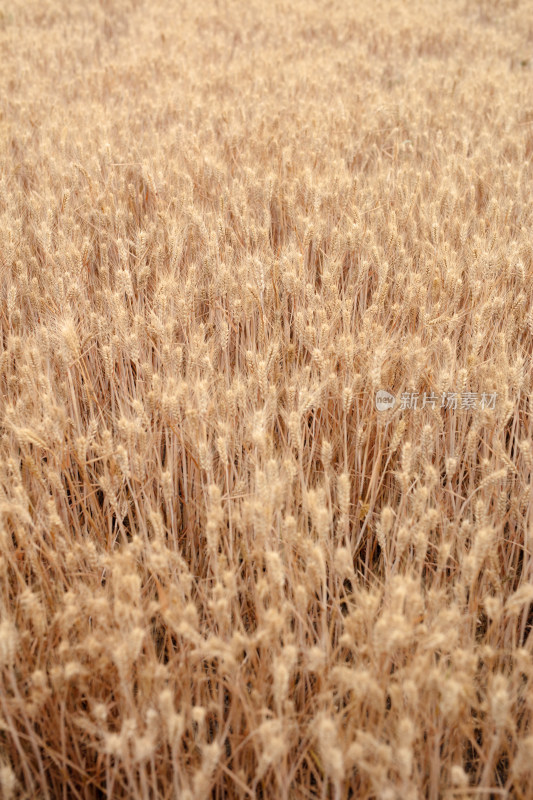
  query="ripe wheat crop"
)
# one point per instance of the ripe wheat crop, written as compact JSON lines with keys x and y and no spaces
{"x":225,"y":225}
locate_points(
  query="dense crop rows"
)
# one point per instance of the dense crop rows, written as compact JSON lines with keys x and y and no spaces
{"x":224,"y":226}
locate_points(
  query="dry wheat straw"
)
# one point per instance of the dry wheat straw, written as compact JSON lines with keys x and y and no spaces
{"x":224,"y":573}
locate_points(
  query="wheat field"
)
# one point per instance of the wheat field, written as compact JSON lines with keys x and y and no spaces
{"x":225,"y":226}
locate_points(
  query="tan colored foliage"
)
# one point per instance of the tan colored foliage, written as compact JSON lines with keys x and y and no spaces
{"x":223,"y":227}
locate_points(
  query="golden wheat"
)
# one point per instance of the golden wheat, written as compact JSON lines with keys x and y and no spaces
{"x":224,"y":226}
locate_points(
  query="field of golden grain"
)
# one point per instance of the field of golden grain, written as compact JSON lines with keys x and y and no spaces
{"x":225,"y":226}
